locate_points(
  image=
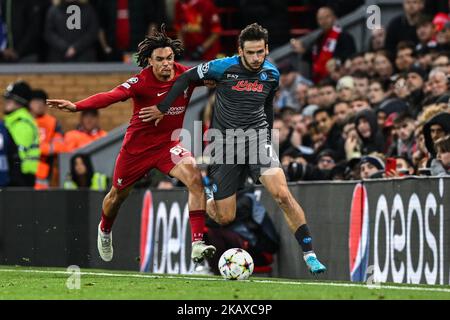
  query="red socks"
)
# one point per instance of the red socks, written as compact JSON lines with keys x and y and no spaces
{"x":106,"y":223}
{"x":197,"y":220}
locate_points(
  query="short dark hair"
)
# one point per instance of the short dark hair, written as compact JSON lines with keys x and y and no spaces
{"x":253,"y":32}
{"x":90,"y":112}
{"x":320,"y":110}
{"x":157,"y":39}
{"x":39,"y":94}
{"x":403,"y":117}
{"x":402,"y":45}
{"x":424,"y":19}
{"x":327,"y":82}
{"x":360,"y":75}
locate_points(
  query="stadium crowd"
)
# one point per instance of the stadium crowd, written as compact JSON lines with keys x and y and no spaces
{"x":379,"y":113}
{"x":383,"y":112}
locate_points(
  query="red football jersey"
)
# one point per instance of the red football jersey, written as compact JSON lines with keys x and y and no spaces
{"x":145,"y":90}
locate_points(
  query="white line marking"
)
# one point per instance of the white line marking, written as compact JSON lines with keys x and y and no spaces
{"x":182,"y":277}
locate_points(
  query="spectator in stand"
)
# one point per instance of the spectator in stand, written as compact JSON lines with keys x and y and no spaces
{"x":405,"y":166}
{"x":358,"y":104}
{"x":405,"y":56}
{"x":441,"y":165}
{"x":369,"y":57}
{"x":299,"y":136}
{"x":21,"y":27}
{"x":88,"y":131}
{"x":435,"y":128}
{"x":281,"y":137}
{"x":289,"y":80}
{"x":361,"y":83}
{"x":403,"y":27}
{"x":441,"y":25}
{"x":425,"y":33}
{"x":439,"y":84}
{"x":367,"y":128}
{"x":383,"y":66}
{"x":405,"y":145}
{"x":51,"y":141}
{"x":197,"y":23}
{"x":442,"y":62}
{"x":332,"y":132}
{"x":346,"y":89}
{"x":377,"y":39}
{"x":301,"y":91}
{"x":332,"y":43}
{"x":371,"y":167}
{"x":341,"y":111}
{"x":327,"y":93}
{"x":313,"y":95}
{"x":272,"y":14}
{"x":415,"y":80}
{"x":308,"y":113}
{"x":82,"y":175}
{"x":358,"y":63}
{"x":71,"y":44}
{"x":124,"y":23}
{"x":23,"y":130}
{"x":378,"y":92}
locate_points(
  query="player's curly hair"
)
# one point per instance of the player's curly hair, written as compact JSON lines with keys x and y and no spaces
{"x":157,"y":39}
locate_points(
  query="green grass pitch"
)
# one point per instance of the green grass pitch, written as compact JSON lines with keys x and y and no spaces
{"x":51,"y":283}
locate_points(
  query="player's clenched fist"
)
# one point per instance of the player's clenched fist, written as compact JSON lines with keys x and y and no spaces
{"x":63,"y":105}
{"x":148,"y":114}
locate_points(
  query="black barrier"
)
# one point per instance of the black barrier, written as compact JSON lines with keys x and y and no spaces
{"x":376,"y":231}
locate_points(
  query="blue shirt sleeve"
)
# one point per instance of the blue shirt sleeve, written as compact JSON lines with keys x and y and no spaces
{"x":213,"y":70}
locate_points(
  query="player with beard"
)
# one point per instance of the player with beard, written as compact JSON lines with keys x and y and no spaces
{"x":246,"y":85}
{"x":146,"y":146}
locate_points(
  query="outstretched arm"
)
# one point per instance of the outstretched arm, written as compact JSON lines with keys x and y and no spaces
{"x":97,"y":101}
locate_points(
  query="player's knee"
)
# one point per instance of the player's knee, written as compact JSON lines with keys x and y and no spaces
{"x":282,"y":196}
{"x":117,"y":197}
{"x":225,"y":219}
{"x":194,"y":183}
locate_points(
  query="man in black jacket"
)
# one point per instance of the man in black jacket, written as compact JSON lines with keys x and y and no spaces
{"x":403,"y":27}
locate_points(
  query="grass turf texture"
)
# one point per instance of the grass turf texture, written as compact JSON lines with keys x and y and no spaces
{"x":50,"y":283}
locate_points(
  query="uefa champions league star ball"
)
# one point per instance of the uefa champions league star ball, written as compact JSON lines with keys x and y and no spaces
{"x":236,"y":264}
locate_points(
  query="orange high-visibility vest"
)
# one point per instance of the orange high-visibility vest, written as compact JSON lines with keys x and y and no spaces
{"x":75,"y":139}
{"x":51,"y":143}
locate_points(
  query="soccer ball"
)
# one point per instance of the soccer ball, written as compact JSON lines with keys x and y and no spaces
{"x":236,"y":264}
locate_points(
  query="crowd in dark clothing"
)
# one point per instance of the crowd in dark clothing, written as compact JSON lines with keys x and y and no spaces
{"x":382,"y":112}
{"x":110,"y":30}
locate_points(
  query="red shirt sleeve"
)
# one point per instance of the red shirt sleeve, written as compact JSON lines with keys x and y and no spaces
{"x":104,"y":99}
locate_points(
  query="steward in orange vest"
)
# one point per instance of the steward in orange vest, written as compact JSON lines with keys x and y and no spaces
{"x":51,"y":142}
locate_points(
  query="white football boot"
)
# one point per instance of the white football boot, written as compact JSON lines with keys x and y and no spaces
{"x":104,"y":245}
{"x":200,"y":251}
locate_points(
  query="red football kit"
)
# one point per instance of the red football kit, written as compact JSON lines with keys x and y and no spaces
{"x":145,"y":146}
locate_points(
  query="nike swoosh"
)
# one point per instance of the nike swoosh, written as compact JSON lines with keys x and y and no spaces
{"x":160,"y":94}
